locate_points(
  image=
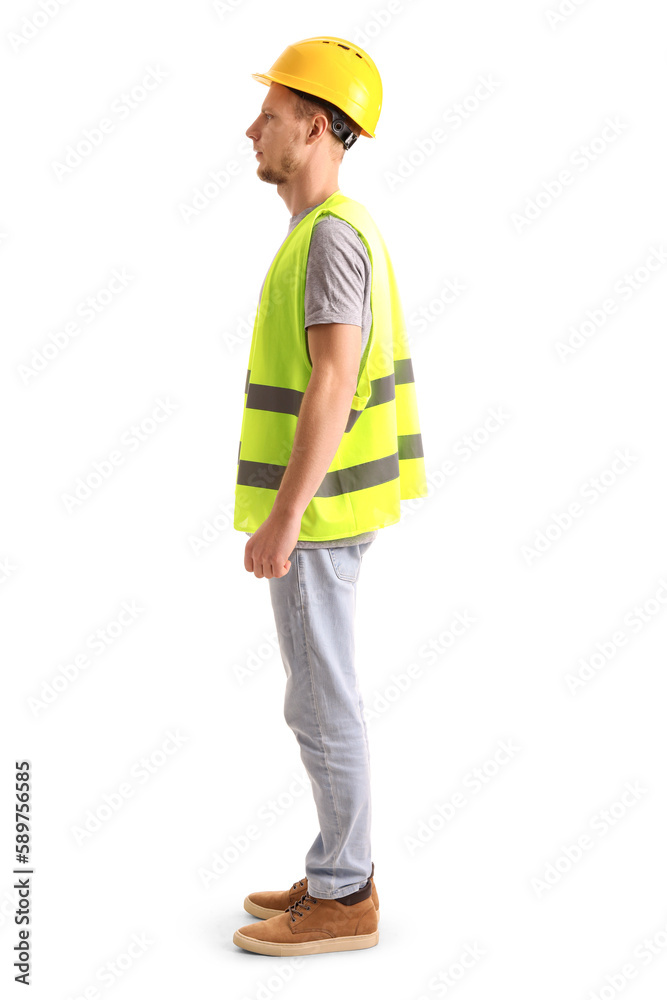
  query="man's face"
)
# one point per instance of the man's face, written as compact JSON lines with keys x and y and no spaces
{"x":275,"y":134}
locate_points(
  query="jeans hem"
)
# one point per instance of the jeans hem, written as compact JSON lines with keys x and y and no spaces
{"x":334,"y":893}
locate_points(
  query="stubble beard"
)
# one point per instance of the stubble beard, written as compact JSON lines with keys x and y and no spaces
{"x":282,"y":173}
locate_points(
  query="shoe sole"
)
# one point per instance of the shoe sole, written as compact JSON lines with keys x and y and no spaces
{"x":352,"y":943}
{"x":265,"y":913}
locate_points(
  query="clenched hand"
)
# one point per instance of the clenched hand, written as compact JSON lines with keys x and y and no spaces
{"x":267,"y":549}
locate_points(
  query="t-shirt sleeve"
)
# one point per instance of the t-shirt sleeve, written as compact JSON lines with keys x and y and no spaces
{"x":336,"y":275}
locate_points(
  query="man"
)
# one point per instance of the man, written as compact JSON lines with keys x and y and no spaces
{"x":330,"y":444}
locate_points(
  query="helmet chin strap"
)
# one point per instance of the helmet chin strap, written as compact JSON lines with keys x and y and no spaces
{"x":339,"y":126}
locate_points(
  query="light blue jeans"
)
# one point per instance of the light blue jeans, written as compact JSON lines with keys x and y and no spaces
{"x":314,"y":606}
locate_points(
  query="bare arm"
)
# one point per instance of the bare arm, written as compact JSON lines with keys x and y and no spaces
{"x":335,"y":351}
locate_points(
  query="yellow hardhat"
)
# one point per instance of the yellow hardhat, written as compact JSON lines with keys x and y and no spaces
{"x":334,"y":70}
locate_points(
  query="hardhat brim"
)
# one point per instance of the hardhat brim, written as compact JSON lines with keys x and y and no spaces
{"x":288,"y":81}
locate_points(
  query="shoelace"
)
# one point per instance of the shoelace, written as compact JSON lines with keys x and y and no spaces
{"x":299,"y":883}
{"x":304,"y":903}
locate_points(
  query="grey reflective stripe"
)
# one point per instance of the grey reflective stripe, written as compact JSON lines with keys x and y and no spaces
{"x":382,"y":391}
{"x":359,"y":477}
{"x":410,"y":446}
{"x":259,"y":475}
{"x":275,"y":398}
{"x":354,"y":477}
{"x":280,"y":400}
{"x":403,"y":371}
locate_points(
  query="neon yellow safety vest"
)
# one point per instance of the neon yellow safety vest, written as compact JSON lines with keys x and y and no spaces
{"x":380,"y":459}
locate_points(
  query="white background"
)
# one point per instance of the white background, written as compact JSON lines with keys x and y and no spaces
{"x":156,"y":533}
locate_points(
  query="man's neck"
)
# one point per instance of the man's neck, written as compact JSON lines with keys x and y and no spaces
{"x":306,"y":196}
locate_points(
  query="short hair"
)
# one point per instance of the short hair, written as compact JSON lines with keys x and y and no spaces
{"x":308,"y":105}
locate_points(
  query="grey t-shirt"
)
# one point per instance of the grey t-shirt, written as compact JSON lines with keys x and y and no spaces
{"x":338,"y":290}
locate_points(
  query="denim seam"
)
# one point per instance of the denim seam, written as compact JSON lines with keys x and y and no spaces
{"x":317,"y":714}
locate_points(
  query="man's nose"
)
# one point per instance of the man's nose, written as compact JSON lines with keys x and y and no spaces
{"x":252,"y":131}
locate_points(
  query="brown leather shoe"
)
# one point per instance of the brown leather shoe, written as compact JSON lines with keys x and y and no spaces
{"x":311,"y":926}
{"x":270,"y":904}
